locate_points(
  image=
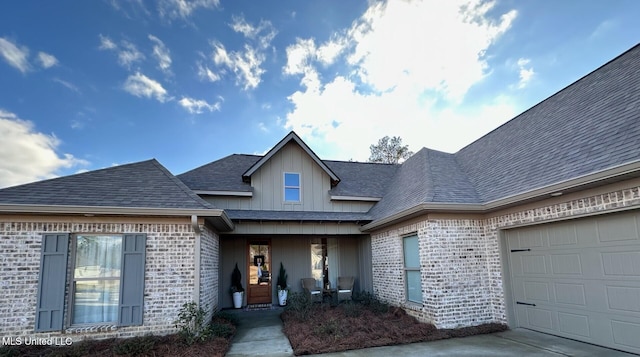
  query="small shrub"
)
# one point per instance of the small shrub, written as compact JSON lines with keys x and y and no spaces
{"x":191,"y":323}
{"x":299,"y":305}
{"x":135,"y":346}
{"x":371,"y":302}
{"x":9,"y":351}
{"x":329,"y":328}
{"x":351,"y":309}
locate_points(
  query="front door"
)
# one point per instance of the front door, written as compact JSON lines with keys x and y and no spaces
{"x":259,"y":276}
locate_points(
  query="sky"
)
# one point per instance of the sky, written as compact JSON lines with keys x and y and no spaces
{"x":87,"y":85}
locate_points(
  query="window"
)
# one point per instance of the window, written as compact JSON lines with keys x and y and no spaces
{"x":96,"y":279}
{"x":106,"y":280}
{"x":291,"y":187}
{"x":412,"y":269}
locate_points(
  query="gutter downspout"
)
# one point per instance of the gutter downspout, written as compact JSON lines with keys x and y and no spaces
{"x":196,"y":258}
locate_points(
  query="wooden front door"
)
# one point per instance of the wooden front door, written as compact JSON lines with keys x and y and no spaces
{"x":259,"y":272}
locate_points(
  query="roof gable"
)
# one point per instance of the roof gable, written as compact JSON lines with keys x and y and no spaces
{"x":145,"y":184}
{"x":292,"y":136}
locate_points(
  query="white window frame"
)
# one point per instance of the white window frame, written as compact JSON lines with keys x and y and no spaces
{"x":285,"y":187}
{"x":73,"y":279}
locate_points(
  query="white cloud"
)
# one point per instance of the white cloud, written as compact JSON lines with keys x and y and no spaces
{"x":245,"y":64}
{"x":106,"y":43}
{"x":406,"y":61}
{"x":29,"y":155}
{"x":162,"y":55}
{"x":198,"y":106}
{"x":46,"y":60}
{"x":143,"y":86}
{"x":182,"y":9}
{"x":525,"y":73}
{"x":15,"y":55}
{"x":68,"y":85}
{"x":127,"y":52}
{"x":263,"y":33}
{"x":204,"y":73}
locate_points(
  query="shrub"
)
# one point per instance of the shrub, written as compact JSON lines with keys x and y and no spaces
{"x":299,"y":305}
{"x":371,"y":302}
{"x":352,"y":309}
{"x":191,"y":323}
{"x":329,"y":328}
{"x":135,"y":346}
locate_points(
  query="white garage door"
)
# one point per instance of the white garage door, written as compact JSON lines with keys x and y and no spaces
{"x":579,"y":279}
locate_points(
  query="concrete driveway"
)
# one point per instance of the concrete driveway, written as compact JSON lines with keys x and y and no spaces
{"x":260,"y":334}
{"x":517,"y":342}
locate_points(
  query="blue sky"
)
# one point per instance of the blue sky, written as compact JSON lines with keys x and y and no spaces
{"x":90,"y":84}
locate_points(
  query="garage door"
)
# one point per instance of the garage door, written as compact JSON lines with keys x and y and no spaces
{"x":579,"y":279}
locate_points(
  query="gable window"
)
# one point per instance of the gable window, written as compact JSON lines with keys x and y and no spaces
{"x":291,"y":187}
{"x":412,"y":268}
{"x":105,"y":280}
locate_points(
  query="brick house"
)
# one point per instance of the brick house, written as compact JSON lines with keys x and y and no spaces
{"x":535,"y":224}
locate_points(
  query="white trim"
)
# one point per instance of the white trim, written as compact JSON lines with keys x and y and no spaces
{"x":538,"y":193}
{"x":284,"y":187}
{"x":355,"y":198}
{"x":224,"y":193}
{"x":292,"y":136}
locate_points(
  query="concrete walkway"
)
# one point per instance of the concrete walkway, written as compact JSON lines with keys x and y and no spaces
{"x":259,"y":333}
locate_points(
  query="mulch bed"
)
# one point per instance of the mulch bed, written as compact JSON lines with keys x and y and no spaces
{"x":349,"y":326}
{"x":169,"y":345}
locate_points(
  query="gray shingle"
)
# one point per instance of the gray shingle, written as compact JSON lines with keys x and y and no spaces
{"x":145,"y":184}
{"x":589,"y":126}
{"x":356,"y":178}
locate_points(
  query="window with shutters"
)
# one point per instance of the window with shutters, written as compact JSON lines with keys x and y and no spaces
{"x":106,"y":280}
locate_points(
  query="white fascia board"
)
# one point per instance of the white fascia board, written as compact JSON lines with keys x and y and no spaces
{"x":355,"y":198}
{"x":129,"y":211}
{"x":539,"y":193}
{"x":225,"y":193}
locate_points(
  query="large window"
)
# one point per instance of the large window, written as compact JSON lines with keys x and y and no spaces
{"x":291,"y":187}
{"x":96,"y":279}
{"x":412,"y":268}
{"x":105,"y":280}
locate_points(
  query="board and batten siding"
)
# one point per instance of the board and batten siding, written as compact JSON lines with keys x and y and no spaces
{"x":268,"y":186}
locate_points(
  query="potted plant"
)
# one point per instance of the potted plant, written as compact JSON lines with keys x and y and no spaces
{"x":283,"y":289}
{"x":236,"y":287}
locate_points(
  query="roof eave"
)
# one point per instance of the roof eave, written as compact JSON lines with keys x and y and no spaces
{"x":556,"y":189}
{"x":217,"y":216}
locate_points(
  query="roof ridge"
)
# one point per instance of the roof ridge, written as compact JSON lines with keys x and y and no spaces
{"x":181,"y":185}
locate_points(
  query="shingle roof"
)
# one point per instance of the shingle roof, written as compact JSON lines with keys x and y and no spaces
{"x":429,"y":176}
{"x":356,"y":178}
{"x":145,"y":184}
{"x":297,"y":216}
{"x":589,"y":126}
{"x":221,"y":175}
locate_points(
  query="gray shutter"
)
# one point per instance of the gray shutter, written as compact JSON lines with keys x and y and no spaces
{"x":132,"y":280}
{"x":52,"y":283}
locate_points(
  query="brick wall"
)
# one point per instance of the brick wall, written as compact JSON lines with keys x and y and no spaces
{"x":209,"y":264}
{"x":460,"y":261}
{"x":169,"y":275}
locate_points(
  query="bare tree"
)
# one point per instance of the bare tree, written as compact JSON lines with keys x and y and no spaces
{"x":389,"y":151}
